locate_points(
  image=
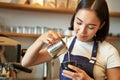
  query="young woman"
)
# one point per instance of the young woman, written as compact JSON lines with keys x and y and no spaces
{"x":96,"y":58}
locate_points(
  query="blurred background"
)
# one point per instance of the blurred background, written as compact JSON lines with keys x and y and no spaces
{"x":25,"y":20}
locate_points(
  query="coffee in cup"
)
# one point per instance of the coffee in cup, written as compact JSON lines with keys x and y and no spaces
{"x":64,"y":65}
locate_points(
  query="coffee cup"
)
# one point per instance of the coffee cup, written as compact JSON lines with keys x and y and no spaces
{"x":64,"y":65}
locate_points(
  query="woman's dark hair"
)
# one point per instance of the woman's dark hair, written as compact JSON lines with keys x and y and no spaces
{"x":102,"y":12}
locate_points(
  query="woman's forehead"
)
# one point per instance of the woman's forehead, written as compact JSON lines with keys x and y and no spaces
{"x":87,"y":15}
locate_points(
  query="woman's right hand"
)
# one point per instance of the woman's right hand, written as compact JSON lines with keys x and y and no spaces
{"x":35,"y":54}
{"x":51,"y":37}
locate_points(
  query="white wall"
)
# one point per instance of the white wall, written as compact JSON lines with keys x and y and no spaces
{"x":34,"y":18}
{"x":114,"y":5}
{"x":114,"y":21}
{"x":114,"y":25}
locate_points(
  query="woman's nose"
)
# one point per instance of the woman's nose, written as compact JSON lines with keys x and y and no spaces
{"x":82,"y":29}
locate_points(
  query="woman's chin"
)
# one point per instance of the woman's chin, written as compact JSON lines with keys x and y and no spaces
{"x":85,"y":39}
{"x":82,"y":39}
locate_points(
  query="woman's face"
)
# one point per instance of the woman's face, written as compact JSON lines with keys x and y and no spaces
{"x":86,"y":24}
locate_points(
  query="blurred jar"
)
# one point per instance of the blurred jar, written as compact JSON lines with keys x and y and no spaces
{"x":14,"y":1}
{"x":4,"y":28}
{"x":32,"y":30}
{"x":21,"y":1}
{"x":118,"y":35}
{"x":19,"y":29}
{"x":1,"y":28}
{"x":61,"y":3}
{"x":58,"y":30}
{"x":39,"y":2}
{"x":6,"y":1}
{"x":37,"y":30}
{"x":26,"y":29}
{"x":44,"y":29}
{"x":12,"y":28}
{"x":72,"y":4}
{"x":50,"y":3}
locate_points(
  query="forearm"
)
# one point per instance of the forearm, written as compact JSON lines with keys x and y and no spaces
{"x":111,"y":72}
{"x":35,"y":54}
{"x":32,"y":53}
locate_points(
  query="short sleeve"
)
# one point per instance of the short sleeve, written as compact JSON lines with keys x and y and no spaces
{"x":113,"y":59}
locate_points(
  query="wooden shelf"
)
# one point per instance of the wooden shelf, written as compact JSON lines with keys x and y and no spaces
{"x":113,"y":38}
{"x":13,"y":34}
{"x":115,"y":14}
{"x":34,"y":8}
{"x":45,"y":9}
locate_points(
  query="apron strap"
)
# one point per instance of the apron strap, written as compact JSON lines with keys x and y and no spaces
{"x":94,"y":50}
{"x":71,"y":46}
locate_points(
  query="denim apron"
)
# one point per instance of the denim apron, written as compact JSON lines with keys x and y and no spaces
{"x":82,"y":62}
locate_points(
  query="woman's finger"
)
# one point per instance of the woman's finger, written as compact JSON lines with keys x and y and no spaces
{"x":74,"y":68}
{"x":53,"y":36}
{"x":71,"y":75}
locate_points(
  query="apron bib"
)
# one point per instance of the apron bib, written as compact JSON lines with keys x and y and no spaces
{"x":82,"y":62}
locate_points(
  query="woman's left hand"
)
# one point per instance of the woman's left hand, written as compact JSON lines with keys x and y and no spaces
{"x":79,"y":74}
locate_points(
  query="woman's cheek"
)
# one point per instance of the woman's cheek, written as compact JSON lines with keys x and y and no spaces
{"x":75,"y":28}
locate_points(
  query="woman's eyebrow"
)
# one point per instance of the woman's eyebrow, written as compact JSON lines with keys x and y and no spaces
{"x":79,"y":19}
{"x":82,"y":21}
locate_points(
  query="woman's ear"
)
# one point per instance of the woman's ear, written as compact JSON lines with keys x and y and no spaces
{"x":102,"y":25}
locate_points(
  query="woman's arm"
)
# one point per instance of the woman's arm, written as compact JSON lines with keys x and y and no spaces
{"x":35,"y":54}
{"x":113,"y":73}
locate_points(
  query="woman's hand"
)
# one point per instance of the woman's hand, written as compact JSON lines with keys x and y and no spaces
{"x":79,"y":74}
{"x":51,"y":37}
{"x":35,"y":54}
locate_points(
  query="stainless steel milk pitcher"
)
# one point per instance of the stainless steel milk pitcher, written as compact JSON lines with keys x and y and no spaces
{"x":57,"y":49}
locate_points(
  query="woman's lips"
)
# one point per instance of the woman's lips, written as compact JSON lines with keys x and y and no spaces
{"x":82,"y":36}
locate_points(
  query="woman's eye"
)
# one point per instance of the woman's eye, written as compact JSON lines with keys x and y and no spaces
{"x":91,"y":27}
{"x":79,"y":23}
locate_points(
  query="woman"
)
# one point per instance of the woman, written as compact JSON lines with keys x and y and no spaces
{"x":96,"y":58}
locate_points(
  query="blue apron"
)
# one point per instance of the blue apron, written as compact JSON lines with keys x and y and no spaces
{"x":82,"y":62}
